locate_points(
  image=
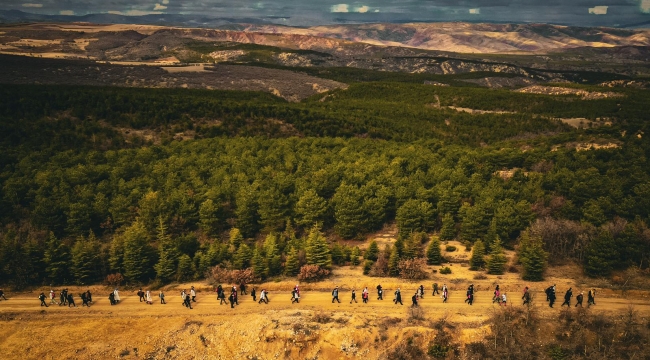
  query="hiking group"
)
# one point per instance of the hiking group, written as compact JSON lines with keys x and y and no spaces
{"x":550,"y":297}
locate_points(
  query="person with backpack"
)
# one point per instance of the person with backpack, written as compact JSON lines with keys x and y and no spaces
{"x":567,"y":298}
{"x":111,"y":298}
{"x":414,"y":299}
{"x":435,"y":289}
{"x":470,"y":298}
{"x":398,"y":297}
{"x":89,"y":296}
{"x":551,"y":297}
{"x":591,"y":298}
{"x":504,"y":299}
{"x":242,"y":288}
{"x":186,"y":301}
{"x":42,"y":298}
{"x":548,"y":292}
{"x":162,"y":297}
{"x":335,"y":295}
{"x":63,"y":298}
{"x":365,"y":295}
{"x":295,"y":298}
{"x":221,"y":295}
{"x":183,"y":297}
{"x":193,"y":294}
{"x":445,"y":294}
{"x":526,"y":296}
{"x":147,"y":296}
{"x":354,"y":296}
{"x":263,"y":297}
{"x":2,"y":294}
{"x":141,"y":295}
{"x":52,"y":298}
{"x":380,"y":292}
{"x":497,"y":295}
{"x":421,"y":292}
{"x":579,"y":299}
{"x":116,"y":295}
{"x":253,"y":295}
{"x":71,"y":300}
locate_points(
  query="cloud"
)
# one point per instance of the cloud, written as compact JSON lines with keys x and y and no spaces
{"x":165,"y":2}
{"x":598,"y":10}
{"x":476,"y":11}
{"x":340,"y":8}
{"x":33,"y":5}
{"x":362,"y":9}
{"x":66,"y":12}
{"x":159,"y":7}
{"x":645,"y":6}
{"x":134,"y":12}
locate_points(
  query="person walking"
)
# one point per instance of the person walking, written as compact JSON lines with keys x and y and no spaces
{"x":365,"y":295}
{"x":295,"y":298}
{"x":111,"y":298}
{"x":253,"y":295}
{"x":497,"y":295}
{"x":335,"y":295}
{"x":162,"y":297}
{"x":380,"y":292}
{"x":221,"y":295}
{"x":141,"y":295}
{"x":398,"y":297}
{"x":2,"y":294}
{"x":234,"y":296}
{"x":186,"y":301}
{"x":117,"y":296}
{"x":567,"y":298}
{"x":421,"y":292}
{"x":53,"y":298}
{"x":84,"y":300}
{"x":42,"y":298}
{"x":579,"y":299}
{"x":551,"y":297}
{"x":526,"y":296}
{"x":147,"y":297}
{"x":242,"y":288}
{"x":445,"y":294}
{"x":548,"y":292}
{"x":354,"y":296}
{"x":435,"y":289}
{"x":591,"y":297}
{"x":504,"y":299}
{"x":183,"y":297}
{"x":89,"y":296}
{"x":63,"y":299}
{"x":71,"y":300}
{"x":414,"y":299}
{"x":263,"y":297}
{"x":193,"y":294}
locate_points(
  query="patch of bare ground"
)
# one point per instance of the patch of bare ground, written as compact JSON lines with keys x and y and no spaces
{"x":585,"y":146}
{"x":553,"y":90}
{"x":583,"y":123}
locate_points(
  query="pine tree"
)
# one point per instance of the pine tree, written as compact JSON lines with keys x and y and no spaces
{"x":116,"y":254}
{"x":337,"y":254}
{"x":317,"y":251}
{"x":259,"y":264}
{"x":85,"y":258}
{"x":356,"y":252}
{"x":601,"y":255}
{"x":415,"y":216}
{"x":448,"y":230}
{"x":372,"y":252}
{"x":496,"y":263}
{"x":273,"y":259}
{"x":236,"y":239}
{"x":393,"y":262}
{"x":57,"y":260}
{"x":186,"y":268}
{"x":138,"y":254}
{"x":349,"y":212}
{"x":477,"y":261}
{"x":413,"y":246}
{"x":246,"y":212}
{"x":310,"y":209}
{"x":273,"y":209}
{"x":492,"y":234}
{"x":434,"y":256}
{"x":532,"y":257}
{"x":243,"y":257}
{"x":208,"y":221}
{"x":168,"y":255}
{"x":292,"y":265}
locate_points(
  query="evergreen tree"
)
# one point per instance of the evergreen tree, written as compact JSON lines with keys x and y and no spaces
{"x":273,"y":209}
{"x":473,"y":220}
{"x":57,"y":260}
{"x":349,"y":212}
{"x":415,"y":216}
{"x":168,"y":255}
{"x":246,"y":212}
{"x":477,"y":261}
{"x":496,"y":263}
{"x":116,"y":254}
{"x":186,"y":268}
{"x":259,"y":264}
{"x":532,"y":257}
{"x":413,"y":246}
{"x":273,"y":258}
{"x":372,"y":252}
{"x":243,"y":257}
{"x":310,"y":209}
{"x":317,"y":251}
{"x":85,"y":258}
{"x":448,"y":230}
{"x":601,"y":255}
{"x":236,"y":239}
{"x":434,"y":256}
{"x":354,"y":256}
{"x":337,"y":254}
{"x":393,"y":262}
{"x":292,"y":265}
{"x":208,"y":221}
{"x":492,"y":234}
{"x":138,"y":254}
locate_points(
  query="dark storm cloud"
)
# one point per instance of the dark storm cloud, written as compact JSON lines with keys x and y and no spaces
{"x":312,"y":12}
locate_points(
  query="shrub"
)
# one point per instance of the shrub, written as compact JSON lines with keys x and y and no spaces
{"x":380,"y":267}
{"x":513,"y":269}
{"x":480,"y":276}
{"x":115,"y":279}
{"x":322,"y":318}
{"x":367,"y":266}
{"x":445,"y":270}
{"x":450,"y":248}
{"x":413,"y":269}
{"x":438,"y":351}
{"x":219,"y":274}
{"x":312,"y":273}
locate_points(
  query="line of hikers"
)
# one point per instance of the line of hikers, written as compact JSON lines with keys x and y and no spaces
{"x":65,"y":298}
{"x":550,"y":297}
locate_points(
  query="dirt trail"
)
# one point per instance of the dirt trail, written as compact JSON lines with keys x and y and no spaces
{"x":314,"y":327}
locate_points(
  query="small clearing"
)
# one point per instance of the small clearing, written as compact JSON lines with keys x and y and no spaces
{"x":553,"y":90}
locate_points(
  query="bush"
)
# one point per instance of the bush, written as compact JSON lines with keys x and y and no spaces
{"x":380,"y":267}
{"x":480,"y":276}
{"x":413,"y":269}
{"x":312,"y":273}
{"x":445,"y":270}
{"x":450,"y":248}
{"x":367,"y":266}
{"x":115,"y":279}
{"x":219,"y":275}
{"x":322,"y":318}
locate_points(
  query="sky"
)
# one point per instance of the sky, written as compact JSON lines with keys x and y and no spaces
{"x":318,"y":12}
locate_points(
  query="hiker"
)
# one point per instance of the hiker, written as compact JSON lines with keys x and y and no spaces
{"x":421,"y":291}
{"x":380,"y":292}
{"x":84,"y":300}
{"x":193,"y":294}
{"x":183,"y":296}
{"x":354,"y":296}
{"x":567,"y":298}
{"x":579,"y":299}
{"x":591,"y":298}
{"x":551,"y":297}
{"x":52,"y":297}
{"x":335,"y":295}
{"x":89,"y":296}
{"x":526,"y":296}
{"x":242,"y":288}
{"x":147,"y":296}
{"x":42,"y":298}
{"x":504,"y":300}
{"x":221,"y":295}
{"x":470,"y":291}
{"x":117,"y":295}
{"x":71,"y":300}
{"x":62,"y":298}
{"x":186,"y":301}
{"x":365,"y":295}
{"x":263,"y":297}
{"x":295,"y":298}
{"x":253,"y":294}
{"x":398,"y":297}
{"x":2,"y":294}
{"x":470,"y":298}
{"x":297,"y":289}
{"x":141,"y":295}
{"x":414,"y":299}
{"x":548,"y":292}
{"x":445,"y":294}
{"x":497,"y":295}
{"x":435,"y":289}
{"x":234,"y":297}
{"x":111,"y":298}
{"x":162,"y":297}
